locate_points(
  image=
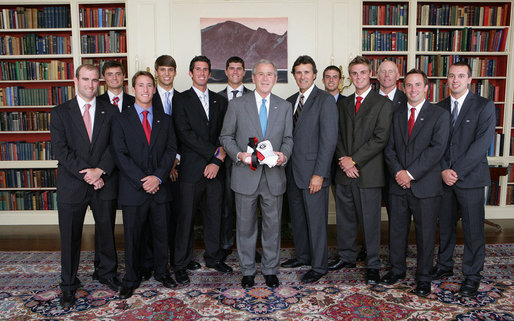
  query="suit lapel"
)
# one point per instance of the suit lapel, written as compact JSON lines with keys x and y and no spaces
{"x":100,"y":114}
{"x":367,"y":103}
{"x":76,"y":117}
{"x":468,"y":102}
{"x":137,"y":126}
{"x":272,"y":114}
{"x":213,"y":107}
{"x":349,"y":108}
{"x":196,"y":104}
{"x":403,"y":123}
{"x":307,"y":105}
{"x":420,"y":121}
{"x":156,"y":128}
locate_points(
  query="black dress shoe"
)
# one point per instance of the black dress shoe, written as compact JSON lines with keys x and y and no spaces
{"x":94,"y":276}
{"x":225,"y":253}
{"x":311,"y":276}
{"x":182,"y":277}
{"x":271,"y":281}
{"x":193,"y":265}
{"x":146,"y":274}
{"x":391,"y":278}
{"x":361,"y":257}
{"x":113,"y":283}
{"x":469,"y":288}
{"x":67,"y":299}
{"x":372,"y":276}
{"x":438,"y":273}
{"x":258,"y":257}
{"x":292,"y":263}
{"x":423,"y":288}
{"x":339,"y":264}
{"x":126,"y":292}
{"x":248,"y":281}
{"x":221,"y":267}
{"x":168,"y":282}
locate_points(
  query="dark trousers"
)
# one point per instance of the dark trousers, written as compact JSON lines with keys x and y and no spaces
{"x":71,"y":221}
{"x":424,"y":211}
{"x":470,"y":201}
{"x":354,"y":206}
{"x":208,"y":194}
{"x":133,"y":219}
{"x":228,"y":211}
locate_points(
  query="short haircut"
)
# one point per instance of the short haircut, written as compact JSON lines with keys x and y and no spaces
{"x":112,"y":64}
{"x":142,"y":73}
{"x":332,"y":67}
{"x":199,"y":58}
{"x":165,"y":60}
{"x":235,"y":59}
{"x":387,"y":60}
{"x":265,"y":62}
{"x":415,"y":71}
{"x":359,"y":60}
{"x":304,"y":60}
{"x":463,"y":64}
{"x":87,"y":67}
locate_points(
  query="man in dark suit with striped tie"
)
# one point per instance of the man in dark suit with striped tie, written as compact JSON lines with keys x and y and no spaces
{"x":114,"y":74}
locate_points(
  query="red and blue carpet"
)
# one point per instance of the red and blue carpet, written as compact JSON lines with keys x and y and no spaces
{"x":29,"y":291}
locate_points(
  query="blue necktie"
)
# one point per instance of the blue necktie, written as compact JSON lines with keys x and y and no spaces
{"x":167,"y":104}
{"x":455,"y":112}
{"x":263,"y":117}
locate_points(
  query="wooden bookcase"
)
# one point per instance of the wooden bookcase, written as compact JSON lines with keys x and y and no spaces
{"x":439,"y":33}
{"x":41,"y":43}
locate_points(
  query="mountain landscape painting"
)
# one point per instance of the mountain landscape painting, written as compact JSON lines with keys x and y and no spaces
{"x":249,"y":38}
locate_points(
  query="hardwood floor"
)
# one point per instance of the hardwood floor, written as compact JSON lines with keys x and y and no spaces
{"x":46,"y":237}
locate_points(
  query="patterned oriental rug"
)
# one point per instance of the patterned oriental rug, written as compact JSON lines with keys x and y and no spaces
{"x":29,"y":291}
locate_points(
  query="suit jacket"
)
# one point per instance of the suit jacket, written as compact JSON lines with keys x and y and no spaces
{"x":128,"y":100}
{"x":136,"y":159}
{"x":469,"y":141}
{"x":198,"y":136}
{"x":224,"y":92}
{"x":314,"y":137}
{"x":399,"y":100}
{"x":340,"y":97}
{"x":242,"y":122}
{"x":157,"y":102}
{"x":75,"y":152}
{"x":364,"y":137}
{"x":421,"y":153}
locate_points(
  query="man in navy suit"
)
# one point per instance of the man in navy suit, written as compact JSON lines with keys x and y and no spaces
{"x":465,"y":172}
{"x":419,"y":135}
{"x":81,"y":133}
{"x":144,"y":145}
{"x":198,"y":118}
{"x":114,"y":74}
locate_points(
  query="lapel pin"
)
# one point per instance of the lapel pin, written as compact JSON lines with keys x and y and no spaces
{"x":422,"y":119}
{"x":467,"y":120}
{"x":275,"y":107}
{"x":103,"y":112}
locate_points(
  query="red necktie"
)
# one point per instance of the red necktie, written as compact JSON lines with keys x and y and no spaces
{"x":358,"y":104}
{"x":411,"y":119}
{"x":146,"y":126}
{"x":87,"y":121}
{"x":115,"y":101}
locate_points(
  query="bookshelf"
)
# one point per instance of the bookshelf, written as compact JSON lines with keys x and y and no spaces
{"x":41,"y":43}
{"x":440,"y":33}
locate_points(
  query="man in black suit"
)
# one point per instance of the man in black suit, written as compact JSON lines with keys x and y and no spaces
{"x":308,"y":170}
{"x":114,"y":73}
{"x":235,"y":71}
{"x":143,"y":144}
{"x":418,"y":139}
{"x":198,"y":120}
{"x":81,"y":132}
{"x":465,"y":172}
{"x":332,"y":79}
{"x":364,"y":124}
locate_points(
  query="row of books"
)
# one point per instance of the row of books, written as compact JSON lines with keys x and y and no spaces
{"x":98,"y":63}
{"x":34,"y":18}
{"x":374,"y":40}
{"x":112,"y":42}
{"x":28,"y":178}
{"x":438,"y":90}
{"x":492,"y":193}
{"x":22,"y":150}
{"x":24,"y":121}
{"x":462,"y":15}
{"x":101,"y":17}
{"x":36,"y":70}
{"x":34,"y":44}
{"x":27,"y":200}
{"x":466,"y":39}
{"x":510,"y":195}
{"x":496,"y":147}
{"x":401,"y":63}
{"x":438,"y":65}
{"x":385,"y":14}
{"x":48,"y":96}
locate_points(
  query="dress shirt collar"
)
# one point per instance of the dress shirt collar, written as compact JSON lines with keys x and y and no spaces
{"x":120,"y":96}
{"x":460,"y":100}
{"x":82,"y":102}
{"x":258,"y":101}
{"x":418,"y":109}
{"x":239,"y":89}
{"x":363,"y":95}
{"x":390,"y":95}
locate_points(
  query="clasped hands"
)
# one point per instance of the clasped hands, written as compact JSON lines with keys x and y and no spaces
{"x":403,"y":179}
{"x":93,"y":176}
{"x":348,"y":166}
{"x":244,"y":156}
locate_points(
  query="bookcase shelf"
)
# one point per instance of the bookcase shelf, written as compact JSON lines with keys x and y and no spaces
{"x":463,"y":21}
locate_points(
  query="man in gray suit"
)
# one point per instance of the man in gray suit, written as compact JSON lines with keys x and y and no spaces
{"x":308,"y":171}
{"x":265,"y":117}
{"x":235,"y":71}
